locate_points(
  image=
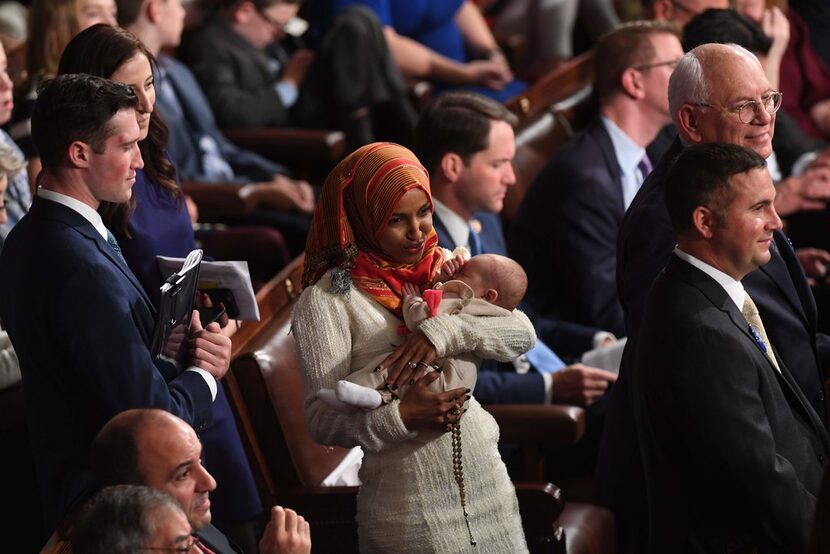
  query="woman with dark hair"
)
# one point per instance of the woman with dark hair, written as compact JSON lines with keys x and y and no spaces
{"x":156,"y":222}
{"x":372,"y":232}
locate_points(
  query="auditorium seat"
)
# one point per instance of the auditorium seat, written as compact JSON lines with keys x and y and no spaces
{"x":266,"y":391}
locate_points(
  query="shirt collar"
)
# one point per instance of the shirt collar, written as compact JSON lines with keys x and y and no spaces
{"x":88,"y":213}
{"x":733,"y":288}
{"x":628,"y":153}
{"x":457,"y":227}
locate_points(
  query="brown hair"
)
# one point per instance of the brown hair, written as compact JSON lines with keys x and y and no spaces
{"x":628,"y":45}
{"x":52,"y":24}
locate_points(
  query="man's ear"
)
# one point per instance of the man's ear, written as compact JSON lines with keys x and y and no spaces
{"x":704,"y":221}
{"x":490,"y":295}
{"x":152,"y":10}
{"x":451,"y":166}
{"x":688,"y":123}
{"x":79,"y":154}
{"x":244,"y":12}
{"x":631,"y":82}
{"x":663,"y":10}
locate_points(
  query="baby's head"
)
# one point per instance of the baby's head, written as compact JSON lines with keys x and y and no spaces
{"x":496,"y":279}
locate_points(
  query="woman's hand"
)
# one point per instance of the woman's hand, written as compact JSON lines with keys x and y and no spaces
{"x":423,"y":409}
{"x":409,"y":361}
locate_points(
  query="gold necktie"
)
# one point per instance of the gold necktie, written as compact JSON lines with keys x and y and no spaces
{"x":756,"y":329}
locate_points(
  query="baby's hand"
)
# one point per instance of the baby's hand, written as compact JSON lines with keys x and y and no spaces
{"x":410,"y":290}
{"x":451,"y":267}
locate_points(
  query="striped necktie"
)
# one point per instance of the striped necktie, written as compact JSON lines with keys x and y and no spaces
{"x":114,"y":245}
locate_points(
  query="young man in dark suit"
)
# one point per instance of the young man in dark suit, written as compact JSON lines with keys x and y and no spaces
{"x":79,"y":319}
{"x":565,"y":233}
{"x":157,"y":449}
{"x":733,"y":451}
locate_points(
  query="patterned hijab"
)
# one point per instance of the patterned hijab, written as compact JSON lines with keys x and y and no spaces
{"x":358,"y":197}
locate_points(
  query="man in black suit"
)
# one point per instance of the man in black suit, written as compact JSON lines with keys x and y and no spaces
{"x":733,"y":451}
{"x":157,"y":449}
{"x":713,"y":90}
{"x":565,"y":233}
{"x":80,"y":321}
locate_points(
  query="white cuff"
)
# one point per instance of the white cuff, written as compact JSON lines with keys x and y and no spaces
{"x":209,"y":379}
{"x":548,"y":379}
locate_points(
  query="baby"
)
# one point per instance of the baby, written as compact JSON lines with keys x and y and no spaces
{"x":486,"y":285}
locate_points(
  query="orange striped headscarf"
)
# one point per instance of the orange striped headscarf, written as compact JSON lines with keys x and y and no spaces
{"x":358,"y":197}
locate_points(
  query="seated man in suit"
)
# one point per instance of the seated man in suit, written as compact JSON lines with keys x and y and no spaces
{"x":80,"y":322}
{"x":716,"y":93}
{"x":197,"y":147}
{"x":466,"y":142}
{"x":732,"y":449}
{"x":565,"y":232}
{"x":157,"y":449}
{"x":350,"y":82}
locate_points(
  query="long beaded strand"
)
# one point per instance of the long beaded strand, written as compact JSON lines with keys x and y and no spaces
{"x":458,"y":471}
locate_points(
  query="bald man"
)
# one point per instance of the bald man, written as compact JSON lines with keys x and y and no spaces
{"x":157,"y":449}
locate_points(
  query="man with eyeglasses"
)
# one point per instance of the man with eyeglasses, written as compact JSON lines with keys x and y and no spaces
{"x":714,"y":90}
{"x":156,"y":449}
{"x":565,"y":233}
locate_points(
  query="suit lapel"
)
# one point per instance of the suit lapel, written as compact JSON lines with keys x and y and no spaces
{"x":46,"y":209}
{"x":444,"y":238}
{"x":779,"y":272}
{"x":598,"y":132}
{"x":721,"y":300}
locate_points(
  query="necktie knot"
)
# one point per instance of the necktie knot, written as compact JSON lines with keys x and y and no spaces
{"x":644,"y":166}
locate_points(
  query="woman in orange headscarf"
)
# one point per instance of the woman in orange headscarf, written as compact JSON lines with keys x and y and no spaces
{"x":373,"y":232}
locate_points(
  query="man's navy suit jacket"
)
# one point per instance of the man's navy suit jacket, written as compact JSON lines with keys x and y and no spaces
{"x":191,"y":118}
{"x":81,"y":324}
{"x":565,"y":233}
{"x":733,"y":451}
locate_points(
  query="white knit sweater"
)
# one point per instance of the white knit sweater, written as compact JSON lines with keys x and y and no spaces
{"x":409,"y":500}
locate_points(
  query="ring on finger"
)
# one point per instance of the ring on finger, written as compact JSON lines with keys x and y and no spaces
{"x":454,"y":411}
{"x":413,"y":365}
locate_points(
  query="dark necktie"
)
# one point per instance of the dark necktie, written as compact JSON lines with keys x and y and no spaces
{"x":114,"y":245}
{"x":644,"y":166}
{"x":474,"y":239}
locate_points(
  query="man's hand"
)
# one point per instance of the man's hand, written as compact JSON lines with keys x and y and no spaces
{"x":580,"y":385}
{"x":814,"y":261}
{"x":296,"y":68}
{"x":209,"y":348}
{"x":286,"y":194}
{"x":820,"y":114}
{"x":286,"y":533}
{"x":807,"y":192}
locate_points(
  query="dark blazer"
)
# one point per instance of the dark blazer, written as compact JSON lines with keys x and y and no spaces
{"x":733,"y":451}
{"x":235,"y":75}
{"x":565,"y":233}
{"x":81,"y":324}
{"x":214,"y":539}
{"x":190,"y":118}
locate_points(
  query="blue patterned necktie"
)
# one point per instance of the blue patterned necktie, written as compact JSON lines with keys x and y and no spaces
{"x":114,"y":245}
{"x":474,"y":240}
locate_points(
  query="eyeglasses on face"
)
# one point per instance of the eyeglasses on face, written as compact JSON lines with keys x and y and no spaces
{"x":276,"y":25}
{"x":683,"y":8}
{"x":670,"y":63}
{"x":188,"y":547}
{"x":749,"y":110}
